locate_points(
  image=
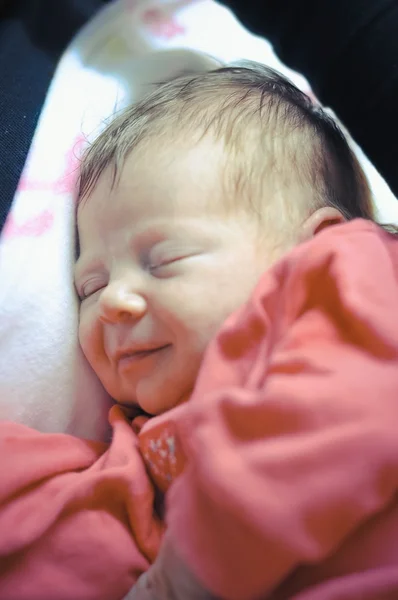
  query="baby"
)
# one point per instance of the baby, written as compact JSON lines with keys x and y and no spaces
{"x":185,"y":200}
{"x":215,"y":266}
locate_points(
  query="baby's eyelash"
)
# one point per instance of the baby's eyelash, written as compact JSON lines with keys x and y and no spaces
{"x":85,"y":293}
{"x":164,"y":263}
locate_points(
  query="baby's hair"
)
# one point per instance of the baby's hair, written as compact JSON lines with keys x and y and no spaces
{"x":272,"y":132}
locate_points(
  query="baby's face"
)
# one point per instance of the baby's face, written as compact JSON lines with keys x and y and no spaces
{"x":161,"y":267}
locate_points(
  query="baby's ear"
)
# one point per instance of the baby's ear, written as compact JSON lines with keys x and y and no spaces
{"x":319,"y":220}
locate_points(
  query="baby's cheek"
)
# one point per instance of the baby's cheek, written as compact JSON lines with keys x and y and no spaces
{"x":83,"y":332}
{"x":90,"y":338}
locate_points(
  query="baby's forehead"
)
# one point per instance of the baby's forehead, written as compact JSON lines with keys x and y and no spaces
{"x":189,"y":166}
{"x":156,"y":183}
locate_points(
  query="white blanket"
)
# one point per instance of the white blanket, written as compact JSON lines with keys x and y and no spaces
{"x":45,"y":381}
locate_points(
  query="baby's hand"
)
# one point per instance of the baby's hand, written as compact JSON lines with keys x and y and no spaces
{"x":168,"y":579}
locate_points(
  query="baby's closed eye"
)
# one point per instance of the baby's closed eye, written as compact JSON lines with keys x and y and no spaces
{"x":163,"y":259}
{"x":90,"y":287}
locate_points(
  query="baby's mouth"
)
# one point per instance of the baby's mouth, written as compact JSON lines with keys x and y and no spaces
{"x":138,"y":355}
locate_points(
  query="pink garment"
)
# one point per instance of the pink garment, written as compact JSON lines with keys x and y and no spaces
{"x":291,"y":435}
{"x":77,"y":519}
{"x":291,"y":446}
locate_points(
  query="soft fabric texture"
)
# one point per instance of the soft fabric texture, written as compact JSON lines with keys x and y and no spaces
{"x":77,"y":518}
{"x":291,"y":433}
{"x":288,"y":453}
{"x":33,"y":36}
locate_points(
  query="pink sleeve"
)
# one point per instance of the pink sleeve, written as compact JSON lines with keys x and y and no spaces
{"x":76,"y":517}
{"x":291,"y":434}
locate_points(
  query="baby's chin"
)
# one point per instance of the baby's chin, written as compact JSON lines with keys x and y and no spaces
{"x":149,"y":396}
{"x":156,"y":396}
{"x":152,"y":405}
{"x":160,"y":405}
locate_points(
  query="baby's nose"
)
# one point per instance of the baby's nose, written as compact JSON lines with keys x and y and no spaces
{"x":119,"y":303}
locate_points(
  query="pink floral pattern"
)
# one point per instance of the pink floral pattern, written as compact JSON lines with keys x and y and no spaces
{"x":163,"y":454}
